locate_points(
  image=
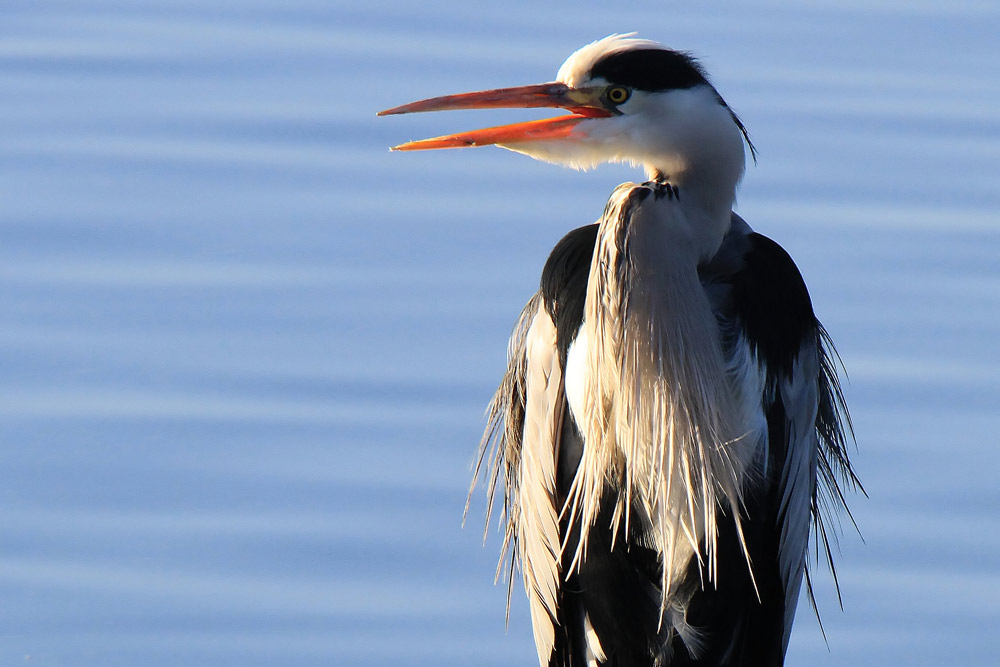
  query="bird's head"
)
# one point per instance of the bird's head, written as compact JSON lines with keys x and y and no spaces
{"x":631,"y":100}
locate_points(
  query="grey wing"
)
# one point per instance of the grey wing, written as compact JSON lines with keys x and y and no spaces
{"x":764,"y":308}
{"x":525,"y":421}
{"x":793,"y":449}
{"x":815,"y":458}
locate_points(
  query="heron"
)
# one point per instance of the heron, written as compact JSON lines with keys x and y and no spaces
{"x":670,"y":428}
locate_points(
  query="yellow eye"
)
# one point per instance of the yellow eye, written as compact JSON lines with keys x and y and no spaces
{"x":618,"y":94}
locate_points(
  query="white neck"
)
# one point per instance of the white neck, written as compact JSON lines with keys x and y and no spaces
{"x":687,"y":136}
{"x":699,"y":148}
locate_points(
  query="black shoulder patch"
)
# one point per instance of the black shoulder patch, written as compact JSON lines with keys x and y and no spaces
{"x":650,"y":69}
{"x":564,"y":284}
{"x":770,"y":299}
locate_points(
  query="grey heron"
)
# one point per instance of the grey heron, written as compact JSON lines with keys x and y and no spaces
{"x":670,"y":426}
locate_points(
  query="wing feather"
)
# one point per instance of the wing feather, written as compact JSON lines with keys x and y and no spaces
{"x":797,"y":476}
{"x":525,"y":421}
{"x":537,"y":522}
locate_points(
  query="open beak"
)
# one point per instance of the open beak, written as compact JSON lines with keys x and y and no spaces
{"x":583,"y":103}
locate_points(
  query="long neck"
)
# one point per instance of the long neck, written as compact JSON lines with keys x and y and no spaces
{"x":705,"y":202}
{"x":701,"y":152}
{"x":709,"y":180}
{"x":706,"y":205}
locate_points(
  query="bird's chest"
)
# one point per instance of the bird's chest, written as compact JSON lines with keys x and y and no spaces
{"x":647,"y":382}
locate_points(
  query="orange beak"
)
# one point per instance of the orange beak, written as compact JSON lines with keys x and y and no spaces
{"x":583,"y":103}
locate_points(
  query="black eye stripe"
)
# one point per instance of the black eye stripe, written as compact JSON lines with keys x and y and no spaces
{"x":650,"y":69}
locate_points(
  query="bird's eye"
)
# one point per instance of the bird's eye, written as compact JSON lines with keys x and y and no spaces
{"x":618,"y":94}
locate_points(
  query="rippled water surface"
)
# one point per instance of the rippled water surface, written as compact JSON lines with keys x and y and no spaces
{"x":245,"y":350}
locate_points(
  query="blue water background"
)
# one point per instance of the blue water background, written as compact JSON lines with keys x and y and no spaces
{"x":245,"y":350}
